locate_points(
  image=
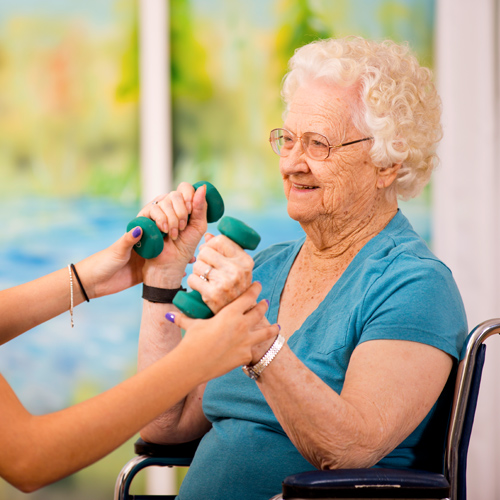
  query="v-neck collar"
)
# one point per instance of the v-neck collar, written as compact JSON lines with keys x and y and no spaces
{"x":354,"y":265}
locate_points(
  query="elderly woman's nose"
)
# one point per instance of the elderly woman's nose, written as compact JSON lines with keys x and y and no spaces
{"x":295,"y":162}
{"x":299,"y":148}
{"x":298,"y":153}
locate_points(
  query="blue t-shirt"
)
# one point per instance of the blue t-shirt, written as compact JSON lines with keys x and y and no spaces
{"x":394,"y":288}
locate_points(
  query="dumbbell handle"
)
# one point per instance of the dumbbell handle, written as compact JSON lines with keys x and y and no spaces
{"x":151,"y":243}
{"x":191,"y":303}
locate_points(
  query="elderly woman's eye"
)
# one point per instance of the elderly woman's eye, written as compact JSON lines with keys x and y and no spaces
{"x":286,"y":141}
{"x":318,"y":144}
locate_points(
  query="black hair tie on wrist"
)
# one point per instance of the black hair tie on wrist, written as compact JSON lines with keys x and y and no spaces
{"x":79,"y":282}
{"x":160,"y":295}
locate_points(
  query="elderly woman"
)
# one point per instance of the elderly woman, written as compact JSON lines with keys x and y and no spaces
{"x":371,"y":321}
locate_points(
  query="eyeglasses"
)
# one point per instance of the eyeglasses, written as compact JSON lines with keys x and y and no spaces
{"x":315,"y":145}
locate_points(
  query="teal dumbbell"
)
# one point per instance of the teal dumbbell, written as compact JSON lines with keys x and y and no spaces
{"x":151,"y":243}
{"x":191,"y":303}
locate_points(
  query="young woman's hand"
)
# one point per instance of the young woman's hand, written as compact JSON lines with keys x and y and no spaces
{"x":224,"y":342}
{"x":113,"y":269}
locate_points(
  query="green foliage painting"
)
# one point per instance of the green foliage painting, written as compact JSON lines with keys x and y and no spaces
{"x":69,"y":98}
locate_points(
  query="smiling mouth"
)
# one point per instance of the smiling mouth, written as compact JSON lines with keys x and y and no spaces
{"x":303,"y":187}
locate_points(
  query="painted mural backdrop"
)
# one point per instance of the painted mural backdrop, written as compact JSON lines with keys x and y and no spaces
{"x":69,"y":90}
{"x":70,"y":182}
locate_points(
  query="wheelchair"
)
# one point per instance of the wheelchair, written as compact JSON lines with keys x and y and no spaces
{"x":361,"y":483}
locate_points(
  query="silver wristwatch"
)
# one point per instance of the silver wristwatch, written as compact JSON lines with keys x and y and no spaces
{"x":254,"y":371}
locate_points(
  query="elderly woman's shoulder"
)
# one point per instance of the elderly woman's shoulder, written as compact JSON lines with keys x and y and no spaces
{"x":400,"y":251}
{"x":412,"y":272}
{"x":399,"y":240}
{"x":413,"y":252}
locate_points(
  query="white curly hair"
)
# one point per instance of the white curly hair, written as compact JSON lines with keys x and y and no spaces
{"x":399,"y":106}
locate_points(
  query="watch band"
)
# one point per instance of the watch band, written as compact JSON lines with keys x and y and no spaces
{"x":160,"y":295}
{"x":255,"y":371}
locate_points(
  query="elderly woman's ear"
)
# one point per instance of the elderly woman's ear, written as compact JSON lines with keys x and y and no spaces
{"x":387,"y":175}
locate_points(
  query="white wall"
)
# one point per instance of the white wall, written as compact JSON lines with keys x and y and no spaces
{"x":155,"y":126}
{"x":466,"y":210}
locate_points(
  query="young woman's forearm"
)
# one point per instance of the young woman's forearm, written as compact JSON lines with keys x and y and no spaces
{"x":25,"y":306}
{"x":108,"y":271}
{"x":38,"y":450}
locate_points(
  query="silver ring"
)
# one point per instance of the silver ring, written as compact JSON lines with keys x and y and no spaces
{"x":204,"y":276}
{"x":154,"y":203}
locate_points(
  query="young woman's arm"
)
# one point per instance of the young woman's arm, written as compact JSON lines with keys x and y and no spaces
{"x":109,"y":271}
{"x":37,"y":450}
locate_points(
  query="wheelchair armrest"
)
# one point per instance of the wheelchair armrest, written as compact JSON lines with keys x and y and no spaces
{"x":151,"y":454}
{"x":182,"y":453}
{"x":366,"y":483}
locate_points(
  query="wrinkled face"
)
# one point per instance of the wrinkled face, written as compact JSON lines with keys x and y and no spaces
{"x":343,"y":185}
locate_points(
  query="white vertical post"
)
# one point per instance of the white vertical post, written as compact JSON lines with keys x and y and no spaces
{"x":466,"y":208}
{"x":155,"y":121}
{"x":155,"y":143}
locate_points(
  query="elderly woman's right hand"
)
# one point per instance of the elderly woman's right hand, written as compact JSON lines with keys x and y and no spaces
{"x":171,"y":213}
{"x":227,"y":269}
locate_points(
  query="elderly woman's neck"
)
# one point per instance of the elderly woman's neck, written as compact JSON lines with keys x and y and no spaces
{"x":344,"y":237}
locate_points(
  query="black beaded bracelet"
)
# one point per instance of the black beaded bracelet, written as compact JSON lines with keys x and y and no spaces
{"x":160,"y":295}
{"x":79,"y":282}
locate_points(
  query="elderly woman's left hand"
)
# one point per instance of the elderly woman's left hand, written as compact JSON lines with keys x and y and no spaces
{"x":222,"y":272}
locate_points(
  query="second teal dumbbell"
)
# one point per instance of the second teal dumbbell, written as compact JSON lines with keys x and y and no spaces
{"x":191,"y":303}
{"x":151,"y":243}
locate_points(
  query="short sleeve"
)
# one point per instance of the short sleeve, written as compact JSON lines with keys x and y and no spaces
{"x":416,"y":299}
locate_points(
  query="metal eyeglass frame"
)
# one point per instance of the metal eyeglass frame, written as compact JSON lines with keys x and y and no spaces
{"x":305,"y":149}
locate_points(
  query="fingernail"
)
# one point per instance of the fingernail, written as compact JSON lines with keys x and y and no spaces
{"x":279,"y":327}
{"x":165,"y":227}
{"x":174,"y":233}
{"x":136,"y":232}
{"x":182,"y":224}
{"x":267,"y":302}
{"x":170,"y":317}
{"x":258,"y":282}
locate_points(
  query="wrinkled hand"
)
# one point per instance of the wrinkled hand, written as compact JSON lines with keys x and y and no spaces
{"x":227,"y":268}
{"x":171,"y":215}
{"x":113,"y":269}
{"x":224,"y":342}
